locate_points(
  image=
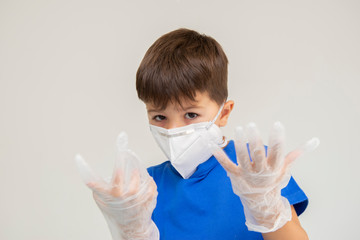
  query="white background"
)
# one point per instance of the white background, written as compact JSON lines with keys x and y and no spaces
{"x":67,"y":85}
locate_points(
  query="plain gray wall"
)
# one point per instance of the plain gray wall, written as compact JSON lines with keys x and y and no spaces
{"x":67,"y":85}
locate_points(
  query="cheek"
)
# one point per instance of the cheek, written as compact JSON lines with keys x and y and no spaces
{"x":152,"y":121}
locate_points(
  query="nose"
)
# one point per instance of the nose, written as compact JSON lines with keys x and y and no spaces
{"x":174,"y":123}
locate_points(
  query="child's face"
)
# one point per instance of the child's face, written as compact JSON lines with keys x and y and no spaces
{"x":203,"y":109}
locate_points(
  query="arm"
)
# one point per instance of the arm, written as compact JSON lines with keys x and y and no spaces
{"x":291,"y":230}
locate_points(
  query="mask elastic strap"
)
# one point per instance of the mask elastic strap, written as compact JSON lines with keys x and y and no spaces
{"x":217,"y":115}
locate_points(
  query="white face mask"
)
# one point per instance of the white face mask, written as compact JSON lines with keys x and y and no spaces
{"x":187,"y":146}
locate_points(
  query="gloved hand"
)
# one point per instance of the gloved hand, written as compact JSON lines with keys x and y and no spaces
{"x":258,"y":179}
{"x":126,"y":200}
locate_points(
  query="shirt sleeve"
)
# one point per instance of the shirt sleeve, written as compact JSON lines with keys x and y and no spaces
{"x":295,"y":196}
{"x":150,"y":170}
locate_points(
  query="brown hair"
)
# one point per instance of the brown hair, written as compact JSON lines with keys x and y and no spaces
{"x":180,"y":63}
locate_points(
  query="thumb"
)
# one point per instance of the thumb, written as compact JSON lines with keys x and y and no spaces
{"x":309,"y":146}
{"x":222,"y":158}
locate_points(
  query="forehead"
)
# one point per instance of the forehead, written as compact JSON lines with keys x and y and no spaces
{"x":201,"y":100}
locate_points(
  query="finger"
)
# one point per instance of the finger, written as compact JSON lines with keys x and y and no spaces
{"x":127,"y":159}
{"x":117,"y":182}
{"x":276,"y":146}
{"x":242,"y":154}
{"x":121,"y":147}
{"x":309,"y":146}
{"x":86,"y":173}
{"x":134,"y":183}
{"x":223,"y":159}
{"x":257,"y":149}
{"x":147,"y":195}
{"x":122,"y":141}
{"x":99,"y":187}
{"x":152,"y":187}
{"x":152,"y":191}
{"x":118,"y":177}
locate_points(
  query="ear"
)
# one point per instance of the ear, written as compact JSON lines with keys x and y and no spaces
{"x":225,"y":113}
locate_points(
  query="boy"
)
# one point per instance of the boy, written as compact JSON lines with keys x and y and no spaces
{"x":182,"y":80}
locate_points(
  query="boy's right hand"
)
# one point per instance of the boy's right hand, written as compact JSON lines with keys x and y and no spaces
{"x":128,"y":198}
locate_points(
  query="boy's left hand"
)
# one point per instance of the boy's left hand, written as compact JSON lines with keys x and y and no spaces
{"x":258,"y":179}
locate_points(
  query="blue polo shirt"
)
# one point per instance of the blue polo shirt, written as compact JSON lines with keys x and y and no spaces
{"x":205,"y":206}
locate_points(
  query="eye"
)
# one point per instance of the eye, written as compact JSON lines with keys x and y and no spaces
{"x":191,"y":115}
{"x":159,"y":118}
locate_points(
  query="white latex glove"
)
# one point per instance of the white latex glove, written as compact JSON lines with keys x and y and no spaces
{"x":258,"y":183}
{"x":128,"y":198}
